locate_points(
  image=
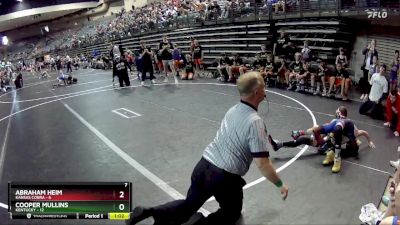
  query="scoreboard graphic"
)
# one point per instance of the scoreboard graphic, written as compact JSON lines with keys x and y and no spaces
{"x":73,"y":200}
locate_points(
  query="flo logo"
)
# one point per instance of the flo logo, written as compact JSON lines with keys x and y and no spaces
{"x":377,"y":14}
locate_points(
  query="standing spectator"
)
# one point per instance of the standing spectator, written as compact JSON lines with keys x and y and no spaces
{"x":166,"y":55}
{"x":281,"y":44}
{"x":379,"y":90}
{"x":121,"y":68}
{"x":69,"y":63}
{"x":146,"y":54}
{"x":305,"y":52}
{"x":342,"y":58}
{"x":19,"y":83}
{"x":290,"y":51}
{"x":395,"y":70}
{"x":393,"y":112}
{"x":178,"y":59}
{"x":198,"y":57}
{"x":241,"y":138}
{"x":369,"y":52}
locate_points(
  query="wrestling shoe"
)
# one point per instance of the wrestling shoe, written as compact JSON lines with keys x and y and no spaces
{"x":336,"y":165}
{"x":166,"y":80}
{"x":296,"y":134}
{"x":142,"y":83}
{"x":329,"y":158}
{"x":395,"y":164}
{"x":153,"y":81}
{"x":275,"y":145}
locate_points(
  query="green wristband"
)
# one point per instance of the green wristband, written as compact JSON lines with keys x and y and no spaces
{"x":279,"y":184}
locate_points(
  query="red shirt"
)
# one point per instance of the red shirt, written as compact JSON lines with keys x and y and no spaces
{"x":389,"y":111}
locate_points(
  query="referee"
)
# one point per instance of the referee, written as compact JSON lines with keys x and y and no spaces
{"x":241,"y":138}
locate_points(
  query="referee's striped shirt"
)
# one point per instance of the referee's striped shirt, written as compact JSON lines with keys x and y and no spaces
{"x":242,"y":136}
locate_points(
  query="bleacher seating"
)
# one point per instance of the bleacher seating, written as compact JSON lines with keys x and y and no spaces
{"x":325,"y":37}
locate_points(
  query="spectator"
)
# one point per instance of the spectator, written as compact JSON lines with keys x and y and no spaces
{"x":294,"y":71}
{"x":281,"y":44}
{"x":282,"y":67}
{"x":269,"y":70}
{"x":259,"y":65}
{"x":223,"y":67}
{"x":146,"y":54}
{"x":395,"y":70}
{"x":166,"y":55}
{"x":319,"y":77}
{"x":198,"y":57}
{"x":290,"y":51}
{"x":306,"y":52}
{"x":302,"y":76}
{"x":393,"y":112}
{"x":342,"y":58}
{"x":214,"y":11}
{"x":369,"y":52}
{"x":237,"y":67}
{"x":188,"y":74}
{"x":379,"y":90}
{"x":341,"y":77}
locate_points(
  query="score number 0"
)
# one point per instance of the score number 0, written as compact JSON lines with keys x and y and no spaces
{"x":121,"y":195}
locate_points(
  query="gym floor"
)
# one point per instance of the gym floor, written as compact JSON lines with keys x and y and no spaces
{"x":153,"y":136}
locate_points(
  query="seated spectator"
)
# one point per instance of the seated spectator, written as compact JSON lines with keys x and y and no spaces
{"x":319,"y":77}
{"x":237,"y":67}
{"x":214,"y":11}
{"x":302,"y":77}
{"x":281,"y":68}
{"x":259,"y":65}
{"x":269,"y":69}
{"x":223,"y":67}
{"x":188,"y":72}
{"x":393,"y":112}
{"x":341,"y":77}
{"x":379,"y":90}
{"x":395,"y":70}
{"x":342,"y":58}
{"x":306,"y":52}
{"x":294,"y":71}
{"x":279,"y":4}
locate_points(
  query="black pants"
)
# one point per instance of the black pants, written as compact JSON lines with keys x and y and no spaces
{"x":69,"y":68}
{"x":364,"y":85}
{"x":207,"y":180}
{"x":124,"y":77}
{"x":147,"y":68}
{"x":373,"y":109}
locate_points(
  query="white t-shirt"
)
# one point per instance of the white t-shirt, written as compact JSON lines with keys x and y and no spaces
{"x":379,"y":86}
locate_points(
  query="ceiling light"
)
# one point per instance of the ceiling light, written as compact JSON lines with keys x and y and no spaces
{"x":19,"y":0}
